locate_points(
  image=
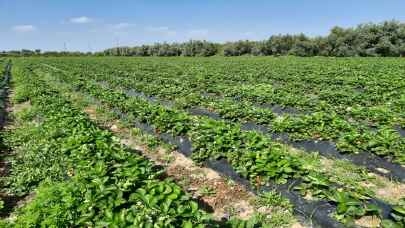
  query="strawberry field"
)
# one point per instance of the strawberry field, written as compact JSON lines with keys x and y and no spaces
{"x":320,"y":140}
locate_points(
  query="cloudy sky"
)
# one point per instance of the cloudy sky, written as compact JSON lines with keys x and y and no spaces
{"x":97,"y":24}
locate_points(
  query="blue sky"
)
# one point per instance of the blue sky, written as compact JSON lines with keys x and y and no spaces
{"x":97,"y":24}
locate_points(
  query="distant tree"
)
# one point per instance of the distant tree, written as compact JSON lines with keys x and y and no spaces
{"x":304,"y":48}
{"x":385,"y":48}
{"x":261,"y":48}
{"x":281,"y":44}
{"x":370,"y":39}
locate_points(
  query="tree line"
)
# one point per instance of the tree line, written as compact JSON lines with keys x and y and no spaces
{"x":371,"y":39}
{"x":39,"y":52}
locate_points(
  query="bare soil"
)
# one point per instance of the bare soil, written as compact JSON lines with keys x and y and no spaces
{"x":224,"y":199}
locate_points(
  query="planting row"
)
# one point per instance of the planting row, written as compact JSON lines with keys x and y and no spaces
{"x":348,"y":137}
{"x":253,"y":155}
{"x":4,"y":84}
{"x":81,"y":175}
{"x":5,"y":67}
{"x":363,"y":90}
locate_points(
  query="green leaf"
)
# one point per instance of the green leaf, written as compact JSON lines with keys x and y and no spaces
{"x":399,"y":209}
{"x":187,"y":224}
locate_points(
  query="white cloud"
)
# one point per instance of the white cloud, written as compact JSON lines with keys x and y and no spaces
{"x":162,"y":30}
{"x":24,"y":28}
{"x":80,"y":20}
{"x":198,"y":33}
{"x":122,"y":25}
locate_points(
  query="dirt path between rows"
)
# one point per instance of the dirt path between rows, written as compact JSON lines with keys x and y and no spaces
{"x":224,"y":197}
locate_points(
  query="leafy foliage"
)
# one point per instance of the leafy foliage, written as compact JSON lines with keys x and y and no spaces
{"x":383,"y":39}
{"x":85,"y":177}
{"x":341,"y":105}
{"x":253,"y":155}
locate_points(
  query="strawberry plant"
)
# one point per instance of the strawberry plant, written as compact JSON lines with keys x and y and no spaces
{"x":351,"y":102}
